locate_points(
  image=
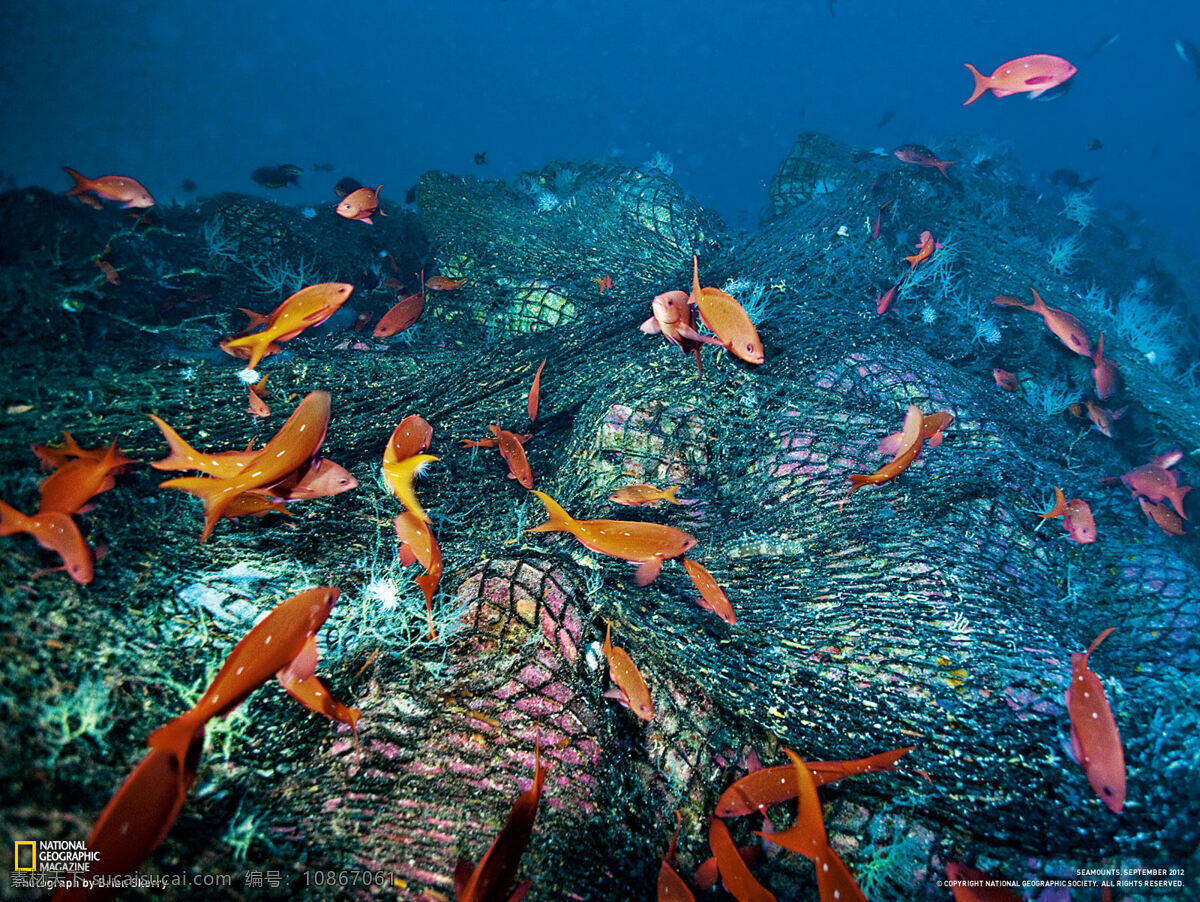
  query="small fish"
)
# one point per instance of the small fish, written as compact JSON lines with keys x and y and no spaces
{"x":322,"y":480}
{"x":646,"y":544}
{"x":1165,"y":518}
{"x":1105,"y":42}
{"x":1095,"y":144}
{"x":1094,"y":736}
{"x":1103,"y":419}
{"x":258,"y":404}
{"x":1076,"y":517}
{"x":292,"y":450}
{"x":491,"y":880}
{"x":1065,"y":327}
{"x":411,"y":437}
{"x":346,"y":186}
{"x":69,"y":488}
{"x":1156,"y":483}
{"x":920,"y":155}
{"x":726,"y":319}
{"x":884,"y":301}
{"x":630,"y":688}
{"x":807,"y":837}
{"x":735,"y":875}
{"x":1190,"y":54}
{"x":535,"y":390}
{"x":418,"y":545}
{"x":399,"y":476}
{"x":309,"y":306}
{"x":969,"y":885}
{"x":1034,"y":74}
{"x":885,"y":119}
{"x":111,"y":275}
{"x":925,"y":250}
{"x":322,"y":167}
{"x":54,"y":531}
{"x":909,"y":447}
{"x":879,"y":218}
{"x":277,"y":176}
{"x":672,"y":316}
{"x":637,"y":495}
{"x":1104,"y":372}
{"x":772,"y":785}
{"x":441,"y":283}
{"x":188,"y":186}
{"x":605,"y":281}
{"x":401,"y":315}
{"x":121,"y":188}
{"x":1005,"y":379}
{"x":361,"y":205}
{"x":513,"y":452}
{"x":712,"y":596}
{"x":481,"y":158}
{"x":269,"y":648}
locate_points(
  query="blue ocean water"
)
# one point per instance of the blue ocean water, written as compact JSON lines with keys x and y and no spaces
{"x":385,"y":90}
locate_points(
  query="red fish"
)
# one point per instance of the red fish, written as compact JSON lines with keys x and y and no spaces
{"x":772,"y":785}
{"x":401,"y":316}
{"x":932,"y":427}
{"x":442,"y":283}
{"x":139,"y":815}
{"x":531,"y":404}
{"x":1156,"y":483}
{"x":629,"y":688}
{"x":417,"y":545}
{"x":1005,"y":380}
{"x":807,"y":837}
{"x":671,"y":887}
{"x":672,"y":316}
{"x":1162,"y":516}
{"x":1076,"y":516}
{"x":879,"y":218}
{"x":920,"y":155}
{"x":1067,"y":328}
{"x":924,"y":250}
{"x":604,"y":281}
{"x":54,"y":531}
{"x":1104,"y":372}
{"x":1033,"y":75}
{"x":513,"y":453}
{"x":410,"y":438}
{"x":909,"y":447}
{"x":735,"y":876}
{"x":970,"y":885}
{"x":637,"y":495}
{"x":645,"y":544}
{"x":726,"y":319}
{"x":712,"y":596}
{"x":69,"y":488}
{"x":269,"y":649}
{"x":54,"y":456}
{"x":361,"y":205}
{"x":110,"y":187}
{"x":309,"y":306}
{"x":292,"y":450}
{"x":491,"y":880}
{"x":884,"y":301}
{"x":1094,"y":737}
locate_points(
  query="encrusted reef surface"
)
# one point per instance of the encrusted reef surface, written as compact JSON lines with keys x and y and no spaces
{"x":936,"y":610}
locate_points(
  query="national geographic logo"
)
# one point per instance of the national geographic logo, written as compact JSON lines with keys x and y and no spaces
{"x":24,"y":855}
{"x":60,"y":856}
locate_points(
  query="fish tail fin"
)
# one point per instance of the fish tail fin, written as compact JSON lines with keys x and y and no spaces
{"x":176,"y":737}
{"x":1176,"y":497}
{"x":1038,"y":305}
{"x":212,"y":493}
{"x":257,"y":344}
{"x":942,"y":164}
{"x":558,"y":520}
{"x":1098,"y":353}
{"x":669,"y":495}
{"x":695,"y":279}
{"x":1060,"y":505}
{"x":982,"y":83}
{"x":182,"y":454}
{"x":82,"y":183}
{"x":13,"y":521}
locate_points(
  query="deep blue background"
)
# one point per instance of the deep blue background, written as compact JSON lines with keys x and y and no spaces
{"x":164,"y":91}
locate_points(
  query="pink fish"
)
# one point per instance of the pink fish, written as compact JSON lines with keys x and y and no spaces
{"x":1154,"y":483}
{"x":920,"y":155}
{"x":883,"y":301}
{"x":1067,"y":328}
{"x":1076,"y":516}
{"x":1104,"y":372}
{"x":1094,"y":736}
{"x":1033,"y":75}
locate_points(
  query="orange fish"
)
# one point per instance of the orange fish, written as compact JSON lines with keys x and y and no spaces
{"x":258,"y":404}
{"x":139,"y":815}
{"x":924,"y":250}
{"x":629,"y":688}
{"x":410,"y":438}
{"x":399,"y":475}
{"x":441,"y":283}
{"x":69,"y":488}
{"x":1103,"y":419}
{"x":970,"y":885}
{"x":932,"y":427}
{"x":400,"y":316}
{"x":111,"y":275}
{"x":712,"y":596}
{"x":54,"y":531}
{"x":645,"y":544}
{"x":270,"y":648}
{"x":637,"y":495}
{"x":1076,"y":515}
{"x":54,"y":456}
{"x":1005,"y":379}
{"x":417,"y":545}
{"x":1104,"y":372}
{"x":110,"y":187}
{"x":531,"y":404}
{"x":879,"y":218}
{"x":491,"y":880}
{"x":672,"y":316}
{"x":735,"y":876}
{"x":1161,"y":515}
{"x":920,"y":155}
{"x":298,"y":679}
{"x":1094,"y":737}
{"x":807,"y":837}
{"x":309,"y":306}
{"x":361,"y":205}
{"x":771,"y":785}
{"x":726,"y":319}
{"x":493,"y":442}
{"x":604,"y":281}
{"x":884,"y":301}
{"x":909,"y":447}
{"x":671,"y":887}
{"x":513,"y":453}
{"x":1033,"y":75}
{"x":1067,"y":328}
{"x":292,"y":450}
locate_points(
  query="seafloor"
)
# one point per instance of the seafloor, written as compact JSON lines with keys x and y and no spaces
{"x":936,"y":610}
